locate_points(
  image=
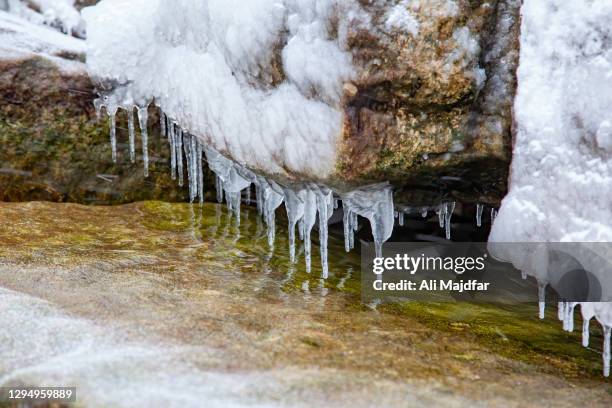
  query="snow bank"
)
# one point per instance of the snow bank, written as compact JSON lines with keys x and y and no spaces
{"x":59,"y":14}
{"x":561,"y":183}
{"x":20,"y":39}
{"x":210,"y":66}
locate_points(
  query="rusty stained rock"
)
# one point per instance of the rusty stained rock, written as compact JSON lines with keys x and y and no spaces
{"x":432,"y":113}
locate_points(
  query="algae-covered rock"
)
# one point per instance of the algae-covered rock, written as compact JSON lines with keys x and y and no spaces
{"x":51,"y":145}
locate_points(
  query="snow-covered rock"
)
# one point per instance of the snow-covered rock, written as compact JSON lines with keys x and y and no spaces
{"x":61,"y":15}
{"x":561,"y":183}
{"x":20,"y":40}
{"x":329,"y":91}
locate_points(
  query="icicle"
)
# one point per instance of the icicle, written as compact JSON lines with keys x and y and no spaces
{"x":143,"y":118}
{"x":113,"y":132}
{"x":493,"y":215}
{"x":162,"y":122}
{"x":336,"y":203}
{"x":219,"y":187}
{"x":606,"y":350}
{"x":200,"y":171}
{"x":568,"y":316}
{"x":179,"y":158}
{"x":401,"y":219}
{"x":355,"y":225}
{"x":376,"y":204}
{"x":295,"y":211}
{"x":301,"y":228}
{"x":450,"y":208}
{"x":190,"y":157}
{"x":585,"y":332}
{"x":259,"y":198}
{"x":424,"y":212}
{"x":193,"y":169}
{"x":310,"y":215}
{"x":561,"y":311}
{"x":98,"y":105}
{"x":271,"y":201}
{"x":542,"y":298}
{"x":132,"y":134}
{"x":234,"y":199}
{"x":169,"y":127}
{"x":441,"y":211}
{"x":325,"y":207}
{"x":172,"y":137}
{"x":479,"y":210}
{"x":348,"y":228}
{"x":247,"y":198}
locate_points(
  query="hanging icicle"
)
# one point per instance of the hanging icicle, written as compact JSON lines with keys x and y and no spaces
{"x":479,"y":210}
{"x":295,"y":211}
{"x":179,"y":157}
{"x":143,"y":118}
{"x":325,"y":207}
{"x":132,"y":134}
{"x":162,"y":123}
{"x":112,"y":114}
{"x":542,"y":298}
{"x":448,"y":214}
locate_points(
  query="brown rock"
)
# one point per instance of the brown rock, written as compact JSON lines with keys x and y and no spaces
{"x":432,"y":111}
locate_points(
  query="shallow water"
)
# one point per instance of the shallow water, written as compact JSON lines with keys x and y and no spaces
{"x":172,"y":305}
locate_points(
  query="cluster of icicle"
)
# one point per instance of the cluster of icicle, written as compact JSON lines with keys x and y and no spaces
{"x":588,"y":310}
{"x":305,"y":203}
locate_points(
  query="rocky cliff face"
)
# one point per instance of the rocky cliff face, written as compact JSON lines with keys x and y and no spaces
{"x":431,"y":107}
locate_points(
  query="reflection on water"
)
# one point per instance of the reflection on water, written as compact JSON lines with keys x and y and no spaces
{"x":175,"y":304}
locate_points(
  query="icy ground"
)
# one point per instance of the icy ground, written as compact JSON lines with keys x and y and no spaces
{"x":561,"y":182}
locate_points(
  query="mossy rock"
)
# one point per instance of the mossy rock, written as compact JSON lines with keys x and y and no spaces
{"x":54,"y":149}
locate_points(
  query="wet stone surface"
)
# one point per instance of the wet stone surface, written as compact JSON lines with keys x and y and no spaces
{"x":172,"y":304}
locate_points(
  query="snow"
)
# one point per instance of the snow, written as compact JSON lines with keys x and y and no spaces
{"x":210,"y":66}
{"x":20,"y":39}
{"x":401,"y":18}
{"x":561,"y":182}
{"x":59,"y":14}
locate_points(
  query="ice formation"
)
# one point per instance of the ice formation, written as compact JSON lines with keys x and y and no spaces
{"x":561,"y":183}
{"x":242,"y":116}
{"x":58,"y":14}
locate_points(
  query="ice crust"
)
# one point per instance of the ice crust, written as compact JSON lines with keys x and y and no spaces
{"x":561,"y":182}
